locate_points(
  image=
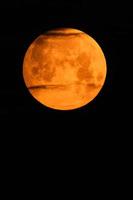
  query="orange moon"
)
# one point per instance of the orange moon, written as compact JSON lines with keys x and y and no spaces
{"x":64,"y":69}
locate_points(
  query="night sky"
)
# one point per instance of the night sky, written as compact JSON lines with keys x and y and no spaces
{"x":86,"y":151}
{"x":21,"y":21}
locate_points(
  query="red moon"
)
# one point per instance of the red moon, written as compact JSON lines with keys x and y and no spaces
{"x":64,"y":69}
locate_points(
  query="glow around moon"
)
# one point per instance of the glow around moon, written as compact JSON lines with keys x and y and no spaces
{"x":64,"y":69}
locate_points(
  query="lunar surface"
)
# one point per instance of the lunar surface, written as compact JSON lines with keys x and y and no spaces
{"x":64,"y":69}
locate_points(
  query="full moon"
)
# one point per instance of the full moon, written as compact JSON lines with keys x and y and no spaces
{"x":64,"y":69}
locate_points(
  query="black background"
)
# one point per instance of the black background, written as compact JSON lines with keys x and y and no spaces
{"x":22,"y":21}
{"x":90,"y":142}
